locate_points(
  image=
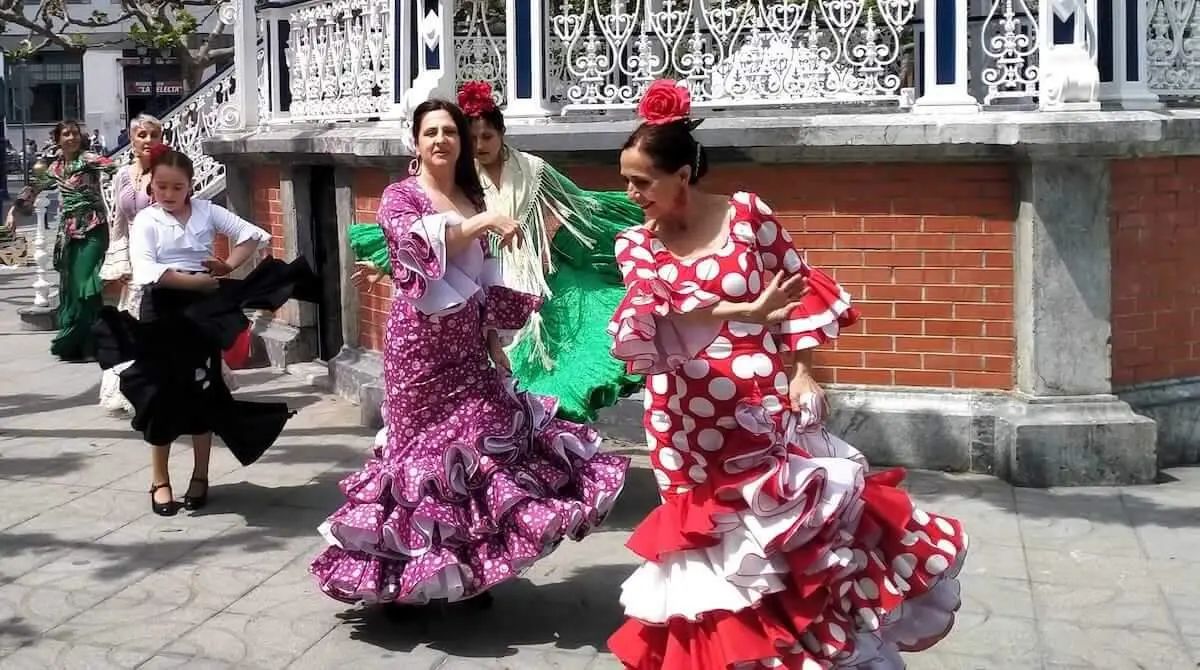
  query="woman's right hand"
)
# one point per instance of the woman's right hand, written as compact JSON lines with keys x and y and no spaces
{"x":506,"y":229}
{"x":779,"y":298}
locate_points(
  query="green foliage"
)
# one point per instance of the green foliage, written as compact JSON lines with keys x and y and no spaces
{"x":169,"y":26}
{"x":166,"y":31}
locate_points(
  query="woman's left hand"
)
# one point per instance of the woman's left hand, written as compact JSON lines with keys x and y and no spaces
{"x":217,"y":267}
{"x":801,"y":387}
{"x":365,"y":274}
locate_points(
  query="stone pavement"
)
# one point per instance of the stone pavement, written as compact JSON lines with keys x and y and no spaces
{"x":89,"y":578}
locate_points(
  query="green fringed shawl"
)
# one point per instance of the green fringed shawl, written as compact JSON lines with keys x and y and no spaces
{"x":564,"y":351}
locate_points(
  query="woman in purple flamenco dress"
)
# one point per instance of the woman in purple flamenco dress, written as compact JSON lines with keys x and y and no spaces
{"x":476,"y":480}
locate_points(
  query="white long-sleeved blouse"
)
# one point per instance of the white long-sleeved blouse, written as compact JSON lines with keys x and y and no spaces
{"x":159,"y":242}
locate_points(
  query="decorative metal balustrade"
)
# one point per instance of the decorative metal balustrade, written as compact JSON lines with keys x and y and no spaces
{"x":208,"y":110}
{"x":211,"y":108}
{"x":1174,"y":47}
{"x":351,"y":60}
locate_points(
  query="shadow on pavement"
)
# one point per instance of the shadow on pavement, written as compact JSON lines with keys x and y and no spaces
{"x":32,"y":403}
{"x":578,"y":612}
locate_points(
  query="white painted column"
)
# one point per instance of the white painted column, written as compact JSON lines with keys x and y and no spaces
{"x":1128,"y":89}
{"x":945,"y":60}
{"x":437,"y":67}
{"x":104,"y":94}
{"x":525,"y":62}
{"x":239,"y":15}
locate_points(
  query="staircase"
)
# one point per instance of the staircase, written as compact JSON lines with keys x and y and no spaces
{"x":202,"y":114}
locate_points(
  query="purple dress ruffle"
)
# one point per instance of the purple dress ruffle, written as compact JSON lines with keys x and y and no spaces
{"x":476,"y":480}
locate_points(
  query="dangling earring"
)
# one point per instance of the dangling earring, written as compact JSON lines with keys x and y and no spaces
{"x":414,"y":167}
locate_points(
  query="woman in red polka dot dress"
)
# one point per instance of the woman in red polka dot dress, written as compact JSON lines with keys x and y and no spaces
{"x":774,"y":547}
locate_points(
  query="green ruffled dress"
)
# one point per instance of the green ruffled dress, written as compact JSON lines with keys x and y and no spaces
{"x":565,"y":351}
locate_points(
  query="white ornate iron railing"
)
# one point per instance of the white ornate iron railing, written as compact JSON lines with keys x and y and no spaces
{"x":1174,"y":47}
{"x":1008,"y":46}
{"x":202,"y":114}
{"x":343,"y":60}
{"x":339,"y":57}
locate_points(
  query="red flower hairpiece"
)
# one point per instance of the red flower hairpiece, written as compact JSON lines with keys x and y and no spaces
{"x":475,"y":98}
{"x":665,"y":101}
{"x":158,"y":151}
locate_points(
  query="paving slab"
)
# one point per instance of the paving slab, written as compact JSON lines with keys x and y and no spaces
{"x":89,"y":578}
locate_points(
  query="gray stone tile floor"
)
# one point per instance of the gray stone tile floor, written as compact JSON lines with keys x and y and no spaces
{"x":89,"y":578}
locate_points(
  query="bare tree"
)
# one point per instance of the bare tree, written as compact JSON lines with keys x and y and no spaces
{"x":167,"y":25}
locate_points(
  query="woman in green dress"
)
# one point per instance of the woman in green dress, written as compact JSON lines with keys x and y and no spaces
{"x":567,"y":257}
{"x":82,"y":236}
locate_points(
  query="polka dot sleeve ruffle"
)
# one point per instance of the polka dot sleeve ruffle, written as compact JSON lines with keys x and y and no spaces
{"x":418,"y":251}
{"x":824,"y":310}
{"x":646,"y":330}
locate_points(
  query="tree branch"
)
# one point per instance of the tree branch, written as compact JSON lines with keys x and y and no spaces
{"x":205,"y":53}
{"x":220,"y":54}
{"x":165,"y":24}
{"x":47,"y":34}
{"x":94,"y":23}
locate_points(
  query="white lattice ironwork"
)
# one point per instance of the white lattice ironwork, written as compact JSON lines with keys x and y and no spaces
{"x":201,"y":115}
{"x":1009,"y":40}
{"x":732,"y":51}
{"x":1173,"y":47}
{"x":479,"y":45}
{"x":485,"y":58}
{"x":340,"y":59}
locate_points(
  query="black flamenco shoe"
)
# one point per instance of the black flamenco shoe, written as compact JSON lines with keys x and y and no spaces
{"x":192,"y":503}
{"x":162,"y":509}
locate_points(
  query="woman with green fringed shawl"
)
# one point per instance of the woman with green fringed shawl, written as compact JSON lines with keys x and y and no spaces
{"x":567,"y":257}
{"x":82,"y":236}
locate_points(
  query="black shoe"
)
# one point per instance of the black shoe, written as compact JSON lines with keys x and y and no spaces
{"x":195,"y":502}
{"x":168,"y":508}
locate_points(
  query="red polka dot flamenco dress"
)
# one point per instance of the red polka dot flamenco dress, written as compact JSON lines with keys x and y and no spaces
{"x":774,"y":547}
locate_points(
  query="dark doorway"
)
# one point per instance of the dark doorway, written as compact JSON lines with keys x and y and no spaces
{"x":325,"y":259}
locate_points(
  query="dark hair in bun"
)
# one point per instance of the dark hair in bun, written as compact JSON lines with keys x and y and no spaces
{"x":671,"y":146}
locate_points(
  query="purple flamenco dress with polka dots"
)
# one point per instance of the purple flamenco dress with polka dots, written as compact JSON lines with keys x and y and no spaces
{"x":475,"y":480}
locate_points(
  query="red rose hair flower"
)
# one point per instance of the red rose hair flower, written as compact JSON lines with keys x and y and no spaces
{"x":158,"y":151}
{"x":475,"y":98}
{"x":665,"y":101}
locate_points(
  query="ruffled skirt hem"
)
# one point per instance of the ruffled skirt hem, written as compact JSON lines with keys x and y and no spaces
{"x":812,"y":565}
{"x":418,"y":527}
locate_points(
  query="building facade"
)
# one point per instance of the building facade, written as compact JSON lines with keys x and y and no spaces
{"x":103,"y":87}
{"x":1014,"y":224}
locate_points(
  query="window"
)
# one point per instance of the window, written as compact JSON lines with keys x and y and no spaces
{"x":55,"y":83}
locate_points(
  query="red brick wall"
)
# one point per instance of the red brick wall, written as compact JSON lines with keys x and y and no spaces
{"x":266,"y":213}
{"x":926,"y":251}
{"x":267,"y":210}
{"x":1155,"y":230}
{"x":376,"y":300}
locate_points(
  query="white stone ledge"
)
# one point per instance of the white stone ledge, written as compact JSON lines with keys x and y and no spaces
{"x":781,"y":138}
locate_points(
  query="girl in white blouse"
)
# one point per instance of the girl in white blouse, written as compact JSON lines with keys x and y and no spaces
{"x":171,"y":248}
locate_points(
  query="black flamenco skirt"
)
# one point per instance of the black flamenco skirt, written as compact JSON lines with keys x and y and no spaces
{"x":174,"y":382}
